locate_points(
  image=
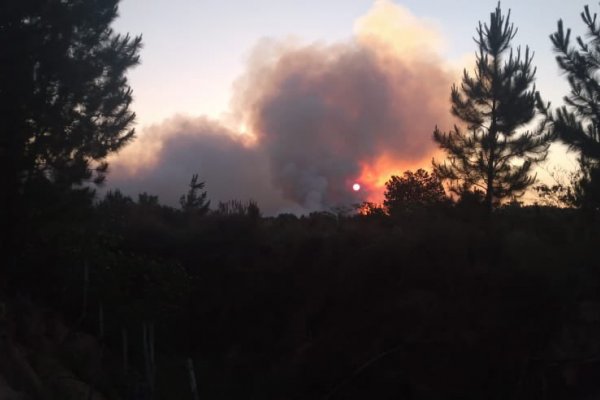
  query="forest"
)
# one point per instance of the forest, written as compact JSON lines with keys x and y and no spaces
{"x":452,"y":288}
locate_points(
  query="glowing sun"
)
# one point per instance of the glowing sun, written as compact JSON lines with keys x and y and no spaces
{"x":356,"y":187}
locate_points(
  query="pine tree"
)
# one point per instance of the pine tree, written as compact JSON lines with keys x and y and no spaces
{"x":488,"y":151}
{"x":578,"y":123}
{"x":192,"y":201}
{"x":65,"y":103}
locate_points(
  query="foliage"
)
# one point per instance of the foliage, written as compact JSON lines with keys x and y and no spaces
{"x":296,"y":298}
{"x":66,"y":105}
{"x":556,"y":195}
{"x":412,"y":191}
{"x":494,"y":105}
{"x":194,"y":202}
{"x":368,"y":208}
{"x":566,"y":191}
{"x":238,"y":208}
{"x":587,"y":189}
{"x":148,"y":200}
{"x":279,"y":301}
{"x":577,"y":124}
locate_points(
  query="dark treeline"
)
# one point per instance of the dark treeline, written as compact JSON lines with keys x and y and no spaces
{"x":452,"y":288}
{"x":428,"y":302}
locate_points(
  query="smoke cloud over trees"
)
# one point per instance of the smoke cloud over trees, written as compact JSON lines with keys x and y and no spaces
{"x":310,"y":120}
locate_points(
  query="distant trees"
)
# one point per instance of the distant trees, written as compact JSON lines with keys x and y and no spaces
{"x":493,"y":104}
{"x":64,"y":99}
{"x":238,"y":208}
{"x":578,"y":123}
{"x":412,"y":191}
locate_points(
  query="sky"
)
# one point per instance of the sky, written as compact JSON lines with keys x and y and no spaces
{"x":211,"y":69}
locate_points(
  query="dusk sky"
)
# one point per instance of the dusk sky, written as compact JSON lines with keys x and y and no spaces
{"x":198,"y":54}
{"x":195,"y":49}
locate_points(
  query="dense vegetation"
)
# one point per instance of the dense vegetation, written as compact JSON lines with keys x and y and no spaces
{"x":423,"y":297}
{"x":430,"y":303}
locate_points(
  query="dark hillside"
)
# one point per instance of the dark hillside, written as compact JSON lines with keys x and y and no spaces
{"x":422,"y":305}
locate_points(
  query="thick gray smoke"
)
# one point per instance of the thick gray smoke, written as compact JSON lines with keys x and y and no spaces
{"x":317,"y":117}
{"x":180,"y":147}
{"x":321,"y":112}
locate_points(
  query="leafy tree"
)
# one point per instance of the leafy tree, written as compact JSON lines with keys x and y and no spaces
{"x":65,"y":102}
{"x":412,"y":191}
{"x":494,"y":104}
{"x":577,"y":124}
{"x":370,"y":209}
{"x":193,"y":201}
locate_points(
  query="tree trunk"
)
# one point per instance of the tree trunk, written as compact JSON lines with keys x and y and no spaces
{"x":489,"y":195}
{"x":9,"y":181}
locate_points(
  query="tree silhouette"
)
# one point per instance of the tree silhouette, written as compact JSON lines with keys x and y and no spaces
{"x":64,"y":97}
{"x":238,"y":208}
{"x":145,"y":199}
{"x":578,"y":123}
{"x":493,"y":105}
{"x":412,"y":191}
{"x":368,"y":208}
{"x":192,"y":201}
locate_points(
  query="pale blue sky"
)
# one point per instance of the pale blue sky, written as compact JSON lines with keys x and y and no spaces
{"x":195,"y":49}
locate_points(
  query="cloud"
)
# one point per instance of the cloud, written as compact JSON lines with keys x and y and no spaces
{"x":317,"y":118}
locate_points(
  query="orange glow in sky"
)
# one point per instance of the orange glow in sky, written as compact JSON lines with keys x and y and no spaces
{"x":374,"y":176}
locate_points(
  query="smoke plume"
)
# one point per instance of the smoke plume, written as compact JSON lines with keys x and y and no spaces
{"x":315,"y":119}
